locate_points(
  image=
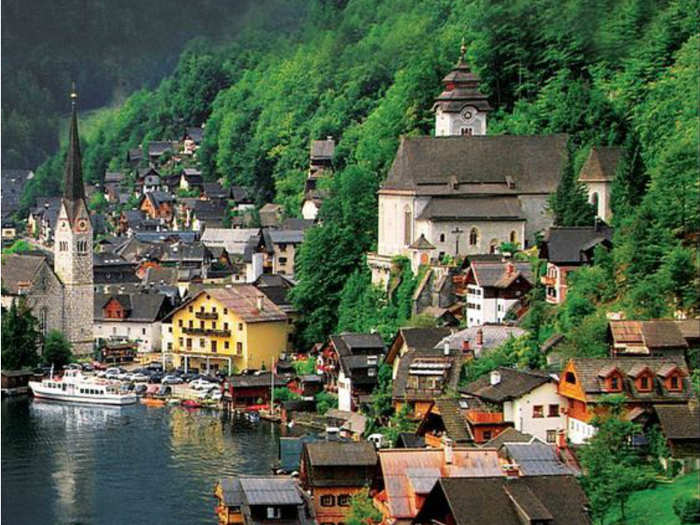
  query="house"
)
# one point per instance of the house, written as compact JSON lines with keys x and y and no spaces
{"x":258,"y":500}
{"x":406,"y":476}
{"x":151,"y":183}
{"x":215,"y":191}
{"x":528,"y":400}
{"x":534,"y":459}
{"x":280,"y":250}
{"x":134,"y":156}
{"x":158,"y":205}
{"x":350,"y":363}
{"x":412,"y":338}
{"x":550,"y":500}
{"x":333,"y":472}
{"x":496,"y":289}
{"x":320,"y":164}
{"x":132,"y":317}
{"x":271,"y":215}
{"x":446,"y":418}
{"x":43,"y":219}
{"x":130,"y":221}
{"x":422,"y":375}
{"x":464,"y":208}
{"x":307,"y":385}
{"x":191,"y":179}
{"x":250,"y":390}
{"x":436,"y":289}
{"x":192,"y":139}
{"x":208,"y":214}
{"x":110,"y":268}
{"x":15,"y":382}
{"x":643,"y":382}
{"x":654,"y":338}
{"x":566,"y":249}
{"x":243,"y":196}
{"x":241,"y":245}
{"x":597,"y":175}
{"x":233,"y":327}
{"x":142,"y":174}
{"x":156,"y":149}
{"x":478,"y":340}
{"x":680,"y":425}
{"x":352,"y":425}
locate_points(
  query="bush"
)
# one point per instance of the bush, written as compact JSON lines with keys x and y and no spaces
{"x":325,"y":401}
{"x":687,"y":508}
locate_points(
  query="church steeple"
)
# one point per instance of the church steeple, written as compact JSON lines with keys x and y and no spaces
{"x":73,"y":189}
{"x":461,"y":108}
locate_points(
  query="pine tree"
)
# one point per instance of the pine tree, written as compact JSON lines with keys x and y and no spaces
{"x":570,"y":204}
{"x":20,"y":336}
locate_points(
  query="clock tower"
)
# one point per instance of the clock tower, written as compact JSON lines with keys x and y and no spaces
{"x":461,"y":108}
{"x":73,"y":249}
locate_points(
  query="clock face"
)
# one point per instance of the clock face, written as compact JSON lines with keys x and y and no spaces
{"x":468,"y":113}
{"x":81,"y":225}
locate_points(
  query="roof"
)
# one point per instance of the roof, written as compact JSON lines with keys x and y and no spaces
{"x":401,"y":470}
{"x":478,"y":208}
{"x":341,"y":454}
{"x":141,"y":307}
{"x":423,"y":338}
{"x":679,"y":421}
{"x":322,"y":149}
{"x":254,"y":380}
{"x":421,"y":243}
{"x":496,"y":273}
{"x":426,"y":362}
{"x":536,"y":459}
{"x":242,"y":300}
{"x":409,"y":440}
{"x":452,"y":419}
{"x":601,"y":164}
{"x":159,"y":147}
{"x":513,"y":384}
{"x":162,"y":275}
{"x":588,"y":371}
{"x":429,"y":165}
{"x":564,"y":245}
{"x":270,"y":490}
{"x":195,"y":133}
{"x":493,"y":335}
{"x":73,"y":188}
{"x":242,"y":194}
{"x":286,"y":236}
{"x":353,"y":422}
{"x":234,"y":240}
{"x":214,"y":189}
{"x":291,"y":449}
{"x":557,"y":500}
{"x":509,"y":435}
{"x":232,"y":492}
{"x":349,"y":343}
{"x":461,"y":89}
{"x":19,"y":271}
{"x":690,"y":328}
{"x":113,"y":177}
{"x":292,"y":223}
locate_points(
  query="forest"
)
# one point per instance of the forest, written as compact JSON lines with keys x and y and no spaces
{"x":606,"y":72}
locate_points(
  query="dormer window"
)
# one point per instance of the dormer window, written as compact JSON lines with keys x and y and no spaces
{"x":675,"y":383}
{"x":615,"y":383}
{"x":644,"y":384}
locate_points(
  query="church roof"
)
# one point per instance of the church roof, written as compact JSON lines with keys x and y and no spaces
{"x":492,"y":208}
{"x":421,"y":243}
{"x":601,"y":164}
{"x":19,"y":271}
{"x":461,"y":89}
{"x":73,"y":187}
{"x":456,"y":165}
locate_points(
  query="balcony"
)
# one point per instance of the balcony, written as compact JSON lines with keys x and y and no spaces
{"x":477,"y":416}
{"x":548,"y":281}
{"x":210,"y":316}
{"x":207,"y":332}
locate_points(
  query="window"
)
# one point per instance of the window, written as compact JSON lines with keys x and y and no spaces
{"x":644,"y":383}
{"x":143,"y":331}
{"x":675,"y":383}
{"x":170,"y":346}
{"x":201,"y":325}
{"x":202,"y":343}
{"x":226,"y":345}
{"x":343,"y":500}
{"x":442,"y":237}
{"x":537,"y":411}
{"x":189,"y":343}
{"x":283,"y":260}
{"x":63,"y":246}
{"x":225,"y":326}
{"x":170,"y":329}
{"x":371,"y":372}
{"x":213,"y":309}
{"x":179,"y":323}
{"x":179,"y":341}
{"x":201,"y":309}
{"x":274,"y":513}
{"x":553,"y":411}
{"x":327,"y":500}
{"x":570,"y":378}
{"x":213,"y":346}
{"x":487,"y":435}
{"x":466,"y":132}
{"x":190,"y":309}
{"x":473,"y":237}
{"x":225,"y":311}
{"x":213,"y":325}
{"x":614,"y":383}
{"x":190,"y":323}
{"x":551,"y":436}
{"x":407,"y":227}
{"x":239,"y":348}
{"x":240,"y":326}
{"x":513,"y":236}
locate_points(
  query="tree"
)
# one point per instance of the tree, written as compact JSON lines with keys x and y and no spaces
{"x":20,"y":336}
{"x":98,"y":202}
{"x":613,"y":470}
{"x":57,"y":350}
{"x":325,"y":401}
{"x":19,"y":246}
{"x":362,"y":511}
{"x":569,"y":203}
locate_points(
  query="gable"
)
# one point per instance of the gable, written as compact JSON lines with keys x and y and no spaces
{"x":570,"y":383}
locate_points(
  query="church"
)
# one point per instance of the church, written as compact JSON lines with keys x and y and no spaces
{"x":60,"y":297}
{"x":462,"y":192}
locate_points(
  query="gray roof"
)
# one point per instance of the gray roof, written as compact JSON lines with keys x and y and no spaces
{"x":413,"y":358}
{"x":509,"y":435}
{"x":159,"y":147}
{"x":429,"y":165}
{"x":270,"y":490}
{"x":601,"y":164}
{"x":679,"y":421}
{"x":232,"y":492}
{"x":18,"y":269}
{"x":495,"y":273}
{"x":493,"y":335}
{"x":513,"y":384}
{"x":141,"y":307}
{"x":292,"y":223}
{"x":113,"y":177}
{"x":565,"y":244}
{"x":286,"y":236}
{"x":353,"y":341}
{"x":185,"y":236}
{"x":322,"y":149}
{"x":491,"y":208}
{"x":291,"y":449}
{"x":536,"y":459}
{"x":341,"y":453}
{"x":214,"y":190}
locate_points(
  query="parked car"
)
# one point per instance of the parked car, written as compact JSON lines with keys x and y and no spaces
{"x":156,"y":377}
{"x":172,"y":380}
{"x":200,"y":384}
{"x":139,"y":377}
{"x":123,"y":375}
{"x":87,"y":367}
{"x":156,"y":367}
{"x":112,"y":373}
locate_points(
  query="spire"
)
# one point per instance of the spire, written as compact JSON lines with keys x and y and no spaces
{"x":73,"y":189}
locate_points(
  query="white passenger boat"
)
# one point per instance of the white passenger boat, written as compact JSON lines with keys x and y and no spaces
{"x":76,"y":388}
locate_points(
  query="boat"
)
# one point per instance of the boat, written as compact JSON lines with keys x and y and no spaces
{"x":76,"y":388}
{"x":152,"y":402}
{"x":253,"y":416}
{"x":173,"y":402}
{"x":191,"y":403}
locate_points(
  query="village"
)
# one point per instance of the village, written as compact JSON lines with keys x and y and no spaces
{"x":184,"y":280}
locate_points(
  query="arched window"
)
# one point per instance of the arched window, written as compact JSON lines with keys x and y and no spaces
{"x":407,"y":226}
{"x":473,"y":237}
{"x":493,"y":246}
{"x":570,"y":378}
{"x":442,"y":237}
{"x":513,"y":237}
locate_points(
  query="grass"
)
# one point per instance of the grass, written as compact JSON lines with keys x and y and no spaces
{"x":655,"y":506}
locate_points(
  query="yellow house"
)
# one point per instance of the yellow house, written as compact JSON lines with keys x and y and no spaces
{"x":234,"y":328}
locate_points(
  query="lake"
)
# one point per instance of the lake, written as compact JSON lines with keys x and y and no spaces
{"x":74,"y":464}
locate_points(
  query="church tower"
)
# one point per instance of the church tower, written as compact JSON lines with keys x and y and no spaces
{"x":73,"y":249}
{"x":461,"y":108}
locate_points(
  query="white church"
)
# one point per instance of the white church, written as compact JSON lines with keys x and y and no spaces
{"x":462,"y":192}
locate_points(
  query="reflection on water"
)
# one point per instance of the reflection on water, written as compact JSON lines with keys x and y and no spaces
{"x":66,"y":463}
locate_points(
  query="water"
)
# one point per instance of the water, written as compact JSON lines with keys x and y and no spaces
{"x":73,"y":464}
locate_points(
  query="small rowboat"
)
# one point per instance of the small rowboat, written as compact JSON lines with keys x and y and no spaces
{"x":191,"y":403}
{"x":152,"y":402}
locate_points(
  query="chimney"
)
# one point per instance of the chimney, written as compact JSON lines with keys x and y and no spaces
{"x":510,"y":268}
{"x":259,"y":300}
{"x":332,"y":433}
{"x":479,"y":337}
{"x":495,"y":377}
{"x":447,"y":449}
{"x":446,"y":347}
{"x":465,"y":346}
{"x":561,"y":439}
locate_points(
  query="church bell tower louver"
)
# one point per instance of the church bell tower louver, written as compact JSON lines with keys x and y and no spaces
{"x":73,"y":248}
